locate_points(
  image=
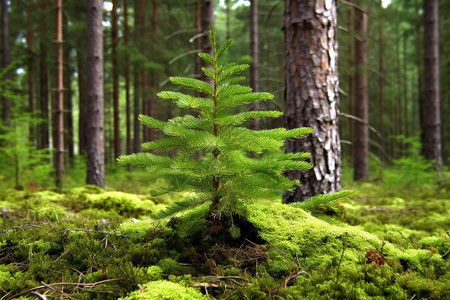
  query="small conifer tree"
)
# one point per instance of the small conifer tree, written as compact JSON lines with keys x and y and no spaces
{"x":213,"y":148}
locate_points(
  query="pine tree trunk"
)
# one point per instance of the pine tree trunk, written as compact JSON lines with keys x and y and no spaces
{"x":43,"y":142}
{"x":152,"y":109}
{"x":254,"y":53}
{"x":115,"y":66}
{"x":361,"y":135}
{"x":432,"y":143}
{"x":95,"y":132}
{"x":380,"y":85}
{"x":136,"y":85}
{"x":6,"y":106}
{"x":59,"y":99}
{"x":82,"y":96}
{"x":420,"y":80}
{"x":68,"y":94}
{"x":312,"y":93}
{"x":30,"y":69}
{"x":127,"y":77}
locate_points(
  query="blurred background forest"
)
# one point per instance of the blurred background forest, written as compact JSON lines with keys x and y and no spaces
{"x":146,"y":42}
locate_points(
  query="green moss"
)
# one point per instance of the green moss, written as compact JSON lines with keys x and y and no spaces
{"x":166,"y":290}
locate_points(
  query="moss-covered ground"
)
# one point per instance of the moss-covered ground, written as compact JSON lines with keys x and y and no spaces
{"x":387,"y":242}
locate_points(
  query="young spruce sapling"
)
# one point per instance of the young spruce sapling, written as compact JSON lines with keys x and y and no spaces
{"x":213,"y":158}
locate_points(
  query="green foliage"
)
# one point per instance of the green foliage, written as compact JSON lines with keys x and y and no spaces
{"x":213,"y":161}
{"x":166,"y":290}
{"x":412,"y":167}
{"x":323,"y":203}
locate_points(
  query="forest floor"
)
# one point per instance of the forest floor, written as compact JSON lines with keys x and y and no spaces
{"x":389,"y":241}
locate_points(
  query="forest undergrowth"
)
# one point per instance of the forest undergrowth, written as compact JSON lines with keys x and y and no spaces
{"x":389,"y":241}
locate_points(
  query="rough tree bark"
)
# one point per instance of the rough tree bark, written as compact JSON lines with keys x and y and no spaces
{"x":432,"y":143}
{"x":361,"y":129}
{"x":312,"y":93}
{"x":95,"y":127}
{"x":59,"y":99}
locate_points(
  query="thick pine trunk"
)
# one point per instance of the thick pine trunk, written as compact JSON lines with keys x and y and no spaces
{"x":59,"y":99}
{"x":432,"y":143}
{"x":95,"y":127}
{"x":361,"y":134}
{"x":312,"y":93}
{"x":152,"y":109}
{"x":82,"y":96}
{"x":136,"y":85}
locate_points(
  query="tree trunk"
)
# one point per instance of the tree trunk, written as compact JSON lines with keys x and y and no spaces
{"x":6,"y":108}
{"x":127,"y":77}
{"x":311,"y":98}
{"x":30,"y":69}
{"x":95,"y":132}
{"x":361,"y":135}
{"x":152,"y":109}
{"x":254,"y":53}
{"x":143,"y":69}
{"x":115,"y":66}
{"x":82,"y":96}
{"x":432,"y":143}
{"x":420,"y":79}
{"x":43,"y":142}
{"x":136,"y":85}
{"x":380,"y":85}
{"x":59,"y":105}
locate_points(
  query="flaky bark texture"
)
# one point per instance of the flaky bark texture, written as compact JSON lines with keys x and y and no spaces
{"x":95,"y":130}
{"x":432,"y":144}
{"x":312,"y":93}
{"x":361,"y":107}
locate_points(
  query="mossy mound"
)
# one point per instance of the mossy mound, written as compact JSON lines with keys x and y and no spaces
{"x":166,"y":290}
{"x":283,"y":252}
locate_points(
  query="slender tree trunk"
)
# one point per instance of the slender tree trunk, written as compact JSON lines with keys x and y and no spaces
{"x":59,"y":113}
{"x":115,"y":65}
{"x":361,"y":135}
{"x":143,"y":69}
{"x":153,"y":133}
{"x":68,"y":95}
{"x":312,"y":97}
{"x":381,"y":84}
{"x":127,"y":76}
{"x":82,"y":96}
{"x":432,"y":143}
{"x":6,"y":108}
{"x":351,"y":90}
{"x":43,"y":78}
{"x":405,"y":86}
{"x":420,"y":79}
{"x":95,"y":133}
{"x":136,"y":84}
{"x":30,"y":69}
{"x":254,"y":53}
